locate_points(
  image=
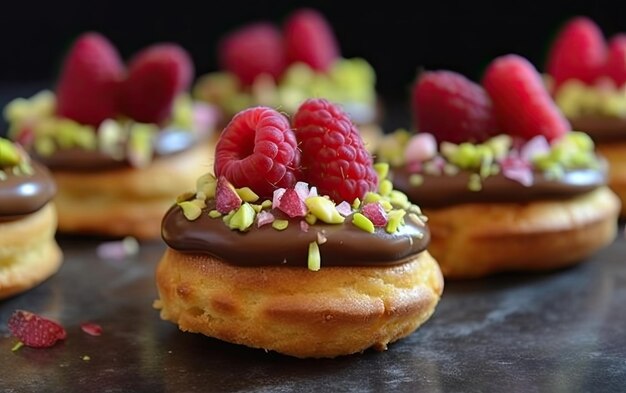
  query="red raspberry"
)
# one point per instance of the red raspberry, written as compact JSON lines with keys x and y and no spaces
{"x":88,"y":86}
{"x":452,"y":108}
{"x":257,"y":149}
{"x":253,"y":50}
{"x":310,"y":39}
{"x":156,"y":76}
{"x":578,"y":52}
{"x":522,"y":103}
{"x":35,"y":331}
{"x":615,"y":67}
{"x":333,"y":157}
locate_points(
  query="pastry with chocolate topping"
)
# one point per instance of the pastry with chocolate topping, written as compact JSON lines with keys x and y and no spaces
{"x":28,"y":252}
{"x":505,"y":183}
{"x":300,"y":245}
{"x":119,"y":142}
{"x":587,"y":75}
{"x":280,"y":67}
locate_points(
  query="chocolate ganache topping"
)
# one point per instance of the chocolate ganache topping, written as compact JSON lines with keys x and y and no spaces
{"x":22,"y":194}
{"x":437,"y":191}
{"x":345,"y":245}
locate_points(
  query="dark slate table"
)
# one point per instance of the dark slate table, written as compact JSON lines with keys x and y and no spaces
{"x":557,"y":332}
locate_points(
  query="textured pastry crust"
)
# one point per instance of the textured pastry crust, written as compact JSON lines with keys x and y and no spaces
{"x":127,"y":201}
{"x":334,"y":311}
{"x":615,"y":153}
{"x":28,"y":252}
{"x":474,"y":240}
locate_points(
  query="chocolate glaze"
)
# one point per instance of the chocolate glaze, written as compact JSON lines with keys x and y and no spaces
{"x":346,"y":244}
{"x":442,"y":191}
{"x":167,"y":142}
{"x":24,"y":194}
{"x":602,"y":129}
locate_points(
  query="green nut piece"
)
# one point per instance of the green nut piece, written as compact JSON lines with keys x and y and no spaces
{"x":280,"y":224}
{"x":257,"y":208}
{"x":45,"y":146}
{"x":371,"y":197}
{"x":356,"y":203}
{"x":215,"y":214}
{"x":362,"y":222}
{"x":206,"y":184}
{"x":499,"y":145}
{"x":416,"y":180}
{"x":310,"y":219}
{"x":382,"y":170}
{"x":185,"y":196}
{"x":475,"y":182}
{"x":9,"y":154}
{"x":399,"y":199}
{"x":314,"y":259}
{"x":395,"y":218}
{"x":247,"y":195}
{"x":385,"y":187}
{"x":192,"y":209}
{"x":243,"y":218}
{"x":266,"y":204}
{"x":580,"y":140}
{"x":324,"y":209}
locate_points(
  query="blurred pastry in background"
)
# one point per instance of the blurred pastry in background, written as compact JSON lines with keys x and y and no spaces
{"x":119,"y":140}
{"x":505,"y":182}
{"x":262,"y":64}
{"x":587,"y":75}
{"x":29,"y":253}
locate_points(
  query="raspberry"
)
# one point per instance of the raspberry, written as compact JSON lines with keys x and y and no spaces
{"x":578,"y":52}
{"x":615,"y":67}
{"x":156,"y":76}
{"x":310,"y":39}
{"x":333,"y":156}
{"x":522,"y":103}
{"x":452,"y":108}
{"x":257,"y":149}
{"x":35,"y":331}
{"x":88,"y":86}
{"x":253,"y":50}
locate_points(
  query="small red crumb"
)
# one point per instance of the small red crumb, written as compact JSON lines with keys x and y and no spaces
{"x":35,"y":331}
{"x":291,"y":204}
{"x":92,"y":329}
{"x":226,"y":198}
{"x":375,"y":213}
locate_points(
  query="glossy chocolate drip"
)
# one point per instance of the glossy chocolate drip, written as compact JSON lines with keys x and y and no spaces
{"x":24,"y":194}
{"x":442,"y":191}
{"x":346,"y":245}
{"x":602,"y":129}
{"x":76,"y":159}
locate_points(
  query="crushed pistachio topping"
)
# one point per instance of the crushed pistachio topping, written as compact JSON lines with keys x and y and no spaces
{"x":576,"y":99}
{"x":498,"y":155}
{"x":13,"y":160}
{"x":314,"y":260}
{"x":348,"y":81}
{"x":384,"y":209}
{"x":35,"y":118}
{"x":9,"y":154}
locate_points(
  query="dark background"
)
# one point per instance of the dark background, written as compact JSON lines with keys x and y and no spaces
{"x":463,"y":36}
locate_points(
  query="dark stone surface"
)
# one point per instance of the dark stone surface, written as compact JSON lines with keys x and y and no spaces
{"x":556,"y":332}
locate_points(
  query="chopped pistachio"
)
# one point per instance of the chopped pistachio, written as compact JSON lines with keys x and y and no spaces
{"x":398,"y":198}
{"x":385,"y":187}
{"x":450,"y":169}
{"x":215,"y":214}
{"x":416,"y":180}
{"x":382,"y":170}
{"x":324,"y":209}
{"x":191,"y":210}
{"x":257,"y":208}
{"x":280,"y":224}
{"x":17,"y":346}
{"x":314,"y":259}
{"x":247,"y":195}
{"x":395,"y":218}
{"x":371,"y":197}
{"x":206,"y":184}
{"x":227,"y":217}
{"x":356,"y":203}
{"x":474,"y":183}
{"x":310,"y":219}
{"x":362,"y":222}
{"x":415,"y":218}
{"x":266,"y":204}
{"x":9,"y":154}
{"x":243,"y":218}
{"x":185,"y":196}
{"x":45,"y":146}
{"x":140,"y":147}
{"x":386,"y":205}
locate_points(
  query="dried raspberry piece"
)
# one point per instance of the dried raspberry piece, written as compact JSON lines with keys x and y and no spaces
{"x":310,"y":39}
{"x":226,"y":198}
{"x":35,"y":331}
{"x":452,"y":108}
{"x":291,"y":204}
{"x":375,"y":213}
{"x":258,"y":149}
{"x":579,"y":52}
{"x":333,"y":156}
{"x":522,"y":104}
{"x":92,"y":329}
{"x":253,"y":50}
